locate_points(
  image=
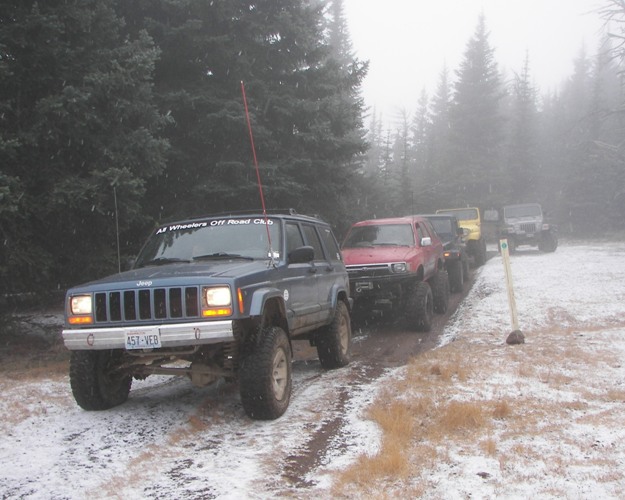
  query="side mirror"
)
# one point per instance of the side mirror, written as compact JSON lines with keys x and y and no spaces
{"x":426,"y":242}
{"x":301,"y":255}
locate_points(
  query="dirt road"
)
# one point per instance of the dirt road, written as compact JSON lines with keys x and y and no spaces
{"x":378,"y":345}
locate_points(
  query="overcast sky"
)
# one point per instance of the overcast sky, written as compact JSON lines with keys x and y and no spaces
{"x":408,"y":42}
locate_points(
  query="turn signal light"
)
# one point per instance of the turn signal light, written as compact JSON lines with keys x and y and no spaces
{"x":80,"y":320}
{"x":211,"y":313}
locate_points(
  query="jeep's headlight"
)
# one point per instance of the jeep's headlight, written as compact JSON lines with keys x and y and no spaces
{"x":510,"y":229}
{"x":217,"y":301}
{"x":80,"y":310}
{"x":545,"y":227}
{"x":80,"y":304}
{"x":399,"y":267}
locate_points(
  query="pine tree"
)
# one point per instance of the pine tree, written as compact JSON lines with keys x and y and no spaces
{"x":77,"y":122}
{"x":522,"y":162}
{"x":303,"y":96}
{"x":425,"y":182}
{"x":401,"y":192}
{"x":440,"y":163}
{"x":476,"y":123}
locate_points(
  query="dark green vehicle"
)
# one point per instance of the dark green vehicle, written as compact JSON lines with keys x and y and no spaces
{"x":221,"y":296}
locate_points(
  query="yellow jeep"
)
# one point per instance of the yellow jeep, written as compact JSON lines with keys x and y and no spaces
{"x":470,"y":219}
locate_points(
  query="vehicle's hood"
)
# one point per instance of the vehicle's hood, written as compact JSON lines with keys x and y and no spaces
{"x":376,"y":255}
{"x":171,"y":274}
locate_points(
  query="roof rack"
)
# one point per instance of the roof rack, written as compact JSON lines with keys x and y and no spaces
{"x":237,"y":213}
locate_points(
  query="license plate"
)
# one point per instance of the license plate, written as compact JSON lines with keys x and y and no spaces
{"x":143,"y":339}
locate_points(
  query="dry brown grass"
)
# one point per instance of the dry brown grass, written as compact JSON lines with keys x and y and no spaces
{"x":443,"y":405}
{"x":33,"y":370}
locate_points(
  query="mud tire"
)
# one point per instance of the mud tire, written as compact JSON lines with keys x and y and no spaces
{"x":548,"y":243}
{"x":334,"y":341}
{"x":455,"y":269}
{"x":265,"y":380}
{"x":96,"y":382}
{"x":440,"y":291}
{"x":419,"y":311}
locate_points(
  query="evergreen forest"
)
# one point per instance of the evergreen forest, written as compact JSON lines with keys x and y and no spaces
{"x":118,"y":115}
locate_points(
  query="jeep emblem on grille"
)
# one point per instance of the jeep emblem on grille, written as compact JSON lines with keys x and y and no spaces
{"x":144,"y":283}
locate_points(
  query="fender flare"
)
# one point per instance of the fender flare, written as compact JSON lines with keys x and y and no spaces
{"x":336,"y":292}
{"x":260,"y":298}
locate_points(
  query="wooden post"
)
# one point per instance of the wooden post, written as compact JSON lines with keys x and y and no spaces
{"x":505,"y":254}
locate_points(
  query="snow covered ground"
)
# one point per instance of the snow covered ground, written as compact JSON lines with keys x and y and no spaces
{"x":540,"y":420}
{"x":560,"y":433}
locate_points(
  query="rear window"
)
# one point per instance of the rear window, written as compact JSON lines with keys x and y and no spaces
{"x":330,"y":243}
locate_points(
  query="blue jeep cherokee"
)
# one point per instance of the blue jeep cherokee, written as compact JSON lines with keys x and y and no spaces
{"x":221,"y":296}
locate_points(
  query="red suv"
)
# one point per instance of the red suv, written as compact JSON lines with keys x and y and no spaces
{"x":396,"y":265}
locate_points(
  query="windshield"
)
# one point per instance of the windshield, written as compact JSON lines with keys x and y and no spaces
{"x":388,"y":234}
{"x":442,"y":227}
{"x":522,"y":211}
{"x":464,"y":214}
{"x":211,"y":239}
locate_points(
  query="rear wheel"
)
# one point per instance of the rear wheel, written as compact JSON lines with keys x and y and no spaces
{"x":419,"y":310}
{"x":440,"y":291}
{"x":265,"y":376}
{"x":334,"y":342}
{"x":97,"y":380}
{"x":548,"y":242}
{"x":455,"y":269}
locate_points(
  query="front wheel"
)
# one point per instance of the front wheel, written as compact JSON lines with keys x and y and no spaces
{"x":334,"y":342}
{"x":97,"y":379}
{"x":265,"y":376}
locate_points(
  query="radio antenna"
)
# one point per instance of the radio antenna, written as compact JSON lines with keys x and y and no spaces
{"x":260,"y":185}
{"x":119,"y":258}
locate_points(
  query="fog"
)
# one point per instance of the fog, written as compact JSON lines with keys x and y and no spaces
{"x":409,"y":43}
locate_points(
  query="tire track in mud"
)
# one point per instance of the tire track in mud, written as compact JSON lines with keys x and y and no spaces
{"x":377,"y":347}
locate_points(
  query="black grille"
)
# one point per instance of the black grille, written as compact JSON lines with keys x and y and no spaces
{"x":529,"y":227}
{"x":147,"y":304}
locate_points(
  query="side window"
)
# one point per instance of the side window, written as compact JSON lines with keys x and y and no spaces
{"x":312,"y":239}
{"x":294,"y":237}
{"x":420,"y":233}
{"x":330,"y":243}
{"x":428,"y":229}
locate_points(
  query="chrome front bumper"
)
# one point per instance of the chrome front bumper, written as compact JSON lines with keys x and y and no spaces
{"x":177,"y":335}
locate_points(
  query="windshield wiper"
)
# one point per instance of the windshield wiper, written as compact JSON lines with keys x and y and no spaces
{"x":222,"y":255}
{"x":160,"y":261}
